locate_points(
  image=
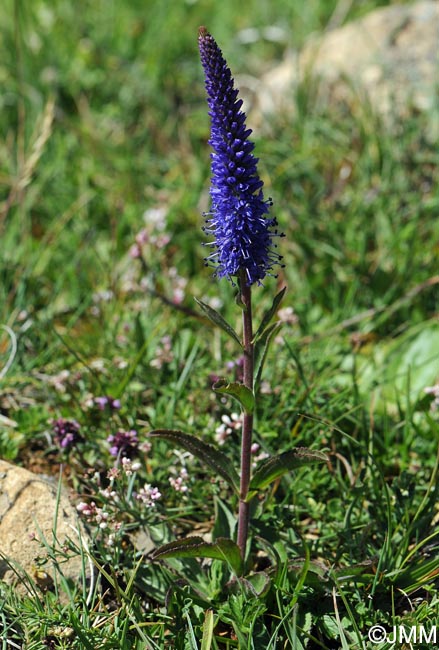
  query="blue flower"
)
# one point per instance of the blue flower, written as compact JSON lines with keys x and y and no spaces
{"x":243,"y":234}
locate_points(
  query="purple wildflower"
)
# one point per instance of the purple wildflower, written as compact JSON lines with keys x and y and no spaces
{"x":243,"y":234}
{"x":106,"y":400}
{"x":67,"y":432}
{"x":124,"y":443}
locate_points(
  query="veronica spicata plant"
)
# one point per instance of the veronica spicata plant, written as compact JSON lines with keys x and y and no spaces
{"x":243,"y":251}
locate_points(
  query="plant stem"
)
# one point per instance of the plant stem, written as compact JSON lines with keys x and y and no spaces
{"x":247,"y":425}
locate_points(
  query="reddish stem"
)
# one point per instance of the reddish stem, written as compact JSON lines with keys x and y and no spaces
{"x":247,"y":425}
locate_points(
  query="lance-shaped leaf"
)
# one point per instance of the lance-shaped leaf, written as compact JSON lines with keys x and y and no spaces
{"x":362,"y":573}
{"x":261,"y":349}
{"x":272,"y":468}
{"x":217,"y":319}
{"x":215,"y":459}
{"x":240,"y":392}
{"x":221,"y":549}
{"x":269,"y":313}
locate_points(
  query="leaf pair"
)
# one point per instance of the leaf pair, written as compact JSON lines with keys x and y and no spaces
{"x":261,"y":340}
{"x":268,"y":470}
{"x":216,"y":318}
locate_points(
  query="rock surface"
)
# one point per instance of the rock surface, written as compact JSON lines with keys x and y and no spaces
{"x":28,"y":507}
{"x":390,"y":57}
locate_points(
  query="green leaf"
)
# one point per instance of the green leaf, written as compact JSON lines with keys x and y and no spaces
{"x":269,"y":314}
{"x":139,"y":332}
{"x":217,"y":319}
{"x":206,"y":641}
{"x":261,"y":349}
{"x":362,"y":573}
{"x":215,"y":459}
{"x":272,"y":468}
{"x":225,"y":520}
{"x":222,"y":549}
{"x":240,"y":392}
{"x":313,"y":573}
{"x":257,"y":583}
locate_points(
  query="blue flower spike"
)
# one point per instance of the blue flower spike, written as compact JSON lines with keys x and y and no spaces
{"x":243,"y":234}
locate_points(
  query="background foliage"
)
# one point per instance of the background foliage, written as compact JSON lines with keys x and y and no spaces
{"x":103,"y":120}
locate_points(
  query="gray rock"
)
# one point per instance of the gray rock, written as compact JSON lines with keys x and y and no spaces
{"x":390,"y":57}
{"x":29,"y":506}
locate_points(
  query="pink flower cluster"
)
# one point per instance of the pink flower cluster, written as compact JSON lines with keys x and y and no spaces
{"x":179,"y":483}
{"x":148,"y":495}
{"x":163,"y":353}
{"x":93,"y":514}
{"x":152,"y":234}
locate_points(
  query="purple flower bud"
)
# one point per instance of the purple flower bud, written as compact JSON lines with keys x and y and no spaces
{"x":243,"y":235}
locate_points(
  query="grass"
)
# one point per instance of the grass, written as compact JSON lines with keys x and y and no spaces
{"x":104,"y":129}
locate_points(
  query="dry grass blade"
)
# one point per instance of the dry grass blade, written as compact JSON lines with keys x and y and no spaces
{"x":42,"y":133}
{"x":13,"y":352}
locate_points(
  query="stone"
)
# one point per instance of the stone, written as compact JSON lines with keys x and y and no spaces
{"x":389,"y":57}
{"x":29,"y":505}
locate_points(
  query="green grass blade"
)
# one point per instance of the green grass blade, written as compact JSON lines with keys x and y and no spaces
{"x":261,"y":349}
{"x":269,"y":313}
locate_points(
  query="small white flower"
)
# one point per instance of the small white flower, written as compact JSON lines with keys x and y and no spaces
{"x":433,"y":390}
{"x":156,"y":217}
{"x":128,"y":466}
{"x":228,"y":425}
{"x":148,"y":495}
{"x":287,"y":315}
